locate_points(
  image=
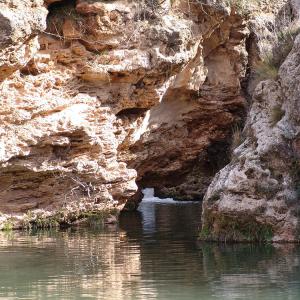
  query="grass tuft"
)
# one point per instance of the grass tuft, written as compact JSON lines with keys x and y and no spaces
{"x":282,"y":45}
{"x":267,"y":69}
{"x":237,"y":137}
{"x":277,"y":114}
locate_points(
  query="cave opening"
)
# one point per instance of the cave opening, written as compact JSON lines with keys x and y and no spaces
{"x":132,"y":112}
{"x":61,"y":3}
{"x":58,"y":13}
{"x":192,"y":180}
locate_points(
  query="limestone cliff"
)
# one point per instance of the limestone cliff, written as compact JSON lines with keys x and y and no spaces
{"x":256,"y":196}
{"x":100,"y":98}
{"x":98,"y":94}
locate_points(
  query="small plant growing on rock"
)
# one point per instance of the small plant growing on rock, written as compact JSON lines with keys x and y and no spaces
{"x":266,"y":68}
{"x":277,"y":114}
{"x":233,"y":229}
{"x":204,"y":233}
{"x":282,"y":45}
{"x":8,"y":225}
{"x":242,"y":7}
{"x":237,"y":137}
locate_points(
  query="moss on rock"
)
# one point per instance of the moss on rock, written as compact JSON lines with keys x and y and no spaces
{"x":236,"y":229}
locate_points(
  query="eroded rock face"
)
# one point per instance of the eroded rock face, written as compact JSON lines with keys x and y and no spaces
{"x":256,"y":196}
{"x":187,"y":135}
{"x":18,"y":33}
{"x":112,"y":91}
{"x":106,"y":94}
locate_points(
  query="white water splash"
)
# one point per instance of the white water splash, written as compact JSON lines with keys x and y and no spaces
{"x":149,"y":197}
{"x":149,"y":207}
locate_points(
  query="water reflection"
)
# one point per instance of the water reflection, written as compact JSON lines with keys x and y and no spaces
{"x":66,"y":264}
{"x":152,"y":254}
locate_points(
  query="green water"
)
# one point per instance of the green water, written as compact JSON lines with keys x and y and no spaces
{"x":151,"y":254}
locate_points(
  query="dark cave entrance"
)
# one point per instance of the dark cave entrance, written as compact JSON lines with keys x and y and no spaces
{"x":58,"y":13}
{"x":190,"y":183}
{"x":192,"y":180}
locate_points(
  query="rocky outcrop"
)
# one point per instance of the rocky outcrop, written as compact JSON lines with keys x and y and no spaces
{"x":256,"y":196}
{"x":187,"y":135}
{"x":111,"y":93}
{"x":18,"y":41}
{"x":99,"y":98}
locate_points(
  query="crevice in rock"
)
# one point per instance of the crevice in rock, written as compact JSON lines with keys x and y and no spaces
{"x":135,"y":111}
{"x":58,"y":12}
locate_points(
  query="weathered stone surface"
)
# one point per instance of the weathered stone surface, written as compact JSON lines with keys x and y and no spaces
{"x":256,"y":196}
{"x":104,"y":94}
{"x":18,"y":31}
{"x":186,"y":137}
{"x":70,"y":115}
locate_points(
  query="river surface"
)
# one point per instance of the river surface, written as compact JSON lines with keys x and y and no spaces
{"x":152,"y":254}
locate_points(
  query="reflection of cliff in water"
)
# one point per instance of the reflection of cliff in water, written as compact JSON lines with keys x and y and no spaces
{"x":164,"y":218}
{"x":252,"y":271}
{"x":68,"y":264}
{"x":181,"y":267}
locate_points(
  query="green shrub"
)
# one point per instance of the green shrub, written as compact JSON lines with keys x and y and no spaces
{"x":240,"y":229}
{"x":204,"y":233}
{"x":8,"y":225}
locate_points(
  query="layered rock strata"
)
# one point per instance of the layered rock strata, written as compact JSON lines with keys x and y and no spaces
{"x":100,"y":97}
{"x":101,"y":94}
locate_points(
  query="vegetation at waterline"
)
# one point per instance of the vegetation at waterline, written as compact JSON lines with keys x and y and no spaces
{"x":61,"y":218}
{"x":232,"y":229}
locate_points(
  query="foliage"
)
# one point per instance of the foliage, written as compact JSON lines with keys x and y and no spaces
{"x":266,"y":68}
{"x":204,"y":233}
{"x":282,"y":44}
{"x":242,"y":7}
{"x":64,"y":217}
{"x":237,"y":137}
{"x":277,"y":114}
{"x":8,"y":225}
